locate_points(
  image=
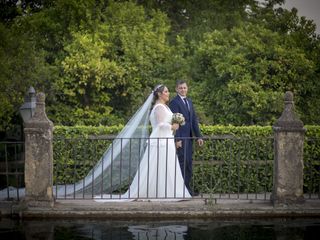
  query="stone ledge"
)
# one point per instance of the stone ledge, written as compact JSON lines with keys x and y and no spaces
{"x":157,"y":214}
{"x":191,"y":209}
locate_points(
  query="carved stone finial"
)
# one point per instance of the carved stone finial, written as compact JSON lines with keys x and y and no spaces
{"x":41,"y":97}
{"x":288,"y":119}
{"x":288,"y":96}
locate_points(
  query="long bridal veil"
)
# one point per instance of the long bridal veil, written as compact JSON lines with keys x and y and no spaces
{"x":116,"y":167}
{"x":119,"y":162}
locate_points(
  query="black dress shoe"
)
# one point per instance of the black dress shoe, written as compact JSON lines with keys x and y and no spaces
{"x":193,"y":194}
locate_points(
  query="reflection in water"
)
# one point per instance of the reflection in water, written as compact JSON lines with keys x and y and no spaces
{"x":290,"y":233}
{"x":277,"y":229}
{"x":41,"y":231}
{"x":147,"y":232}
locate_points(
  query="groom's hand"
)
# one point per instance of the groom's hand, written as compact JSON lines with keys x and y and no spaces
{"x":178,"y":144}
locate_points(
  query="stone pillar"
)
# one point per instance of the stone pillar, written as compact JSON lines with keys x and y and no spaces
{"x":39,"y":157}
{"x":288,"y":162}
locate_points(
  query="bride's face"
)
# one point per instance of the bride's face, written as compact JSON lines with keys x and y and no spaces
{"x":164,"y":96}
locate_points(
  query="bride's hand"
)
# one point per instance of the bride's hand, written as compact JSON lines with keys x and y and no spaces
{"x":175,"y":126}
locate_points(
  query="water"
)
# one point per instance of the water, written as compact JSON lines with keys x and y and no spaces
{"x":280,"y":229}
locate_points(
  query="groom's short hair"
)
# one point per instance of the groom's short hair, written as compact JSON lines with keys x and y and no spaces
{"x":180,"y":81}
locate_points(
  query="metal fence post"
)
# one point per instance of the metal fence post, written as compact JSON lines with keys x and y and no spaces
{"x":39,"y":157}
{"x":288,"y":162}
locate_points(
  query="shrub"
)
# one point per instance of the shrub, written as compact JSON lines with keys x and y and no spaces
{"x":233,"y":159}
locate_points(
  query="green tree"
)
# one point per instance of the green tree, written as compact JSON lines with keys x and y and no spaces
{"x":20,"y":67}
{"x":96,"y":60}
{"x":244,"y":73}
{"x":105,"y":69}
{"x":299,"y":32}
{"x":202,"y":15}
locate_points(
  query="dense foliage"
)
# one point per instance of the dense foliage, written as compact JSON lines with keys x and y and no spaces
{"x":97,"y":60}
{"x":232,"y":160}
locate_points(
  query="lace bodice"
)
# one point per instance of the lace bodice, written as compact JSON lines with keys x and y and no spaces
{"x":160,"y":119}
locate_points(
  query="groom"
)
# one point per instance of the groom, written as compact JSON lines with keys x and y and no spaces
{"x":182,"y":104}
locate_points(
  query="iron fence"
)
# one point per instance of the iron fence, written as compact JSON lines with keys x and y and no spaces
{"x":225,"y":167}
{"x":11,"y":168}
{"x":234,"y":168}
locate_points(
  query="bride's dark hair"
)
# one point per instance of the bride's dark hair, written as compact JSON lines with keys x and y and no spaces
{"x":158,"y":89}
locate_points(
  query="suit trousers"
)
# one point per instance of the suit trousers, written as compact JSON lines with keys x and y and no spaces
{"x":185,"y":159}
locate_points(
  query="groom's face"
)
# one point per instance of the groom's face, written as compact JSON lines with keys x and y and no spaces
{"x":182,"y":89}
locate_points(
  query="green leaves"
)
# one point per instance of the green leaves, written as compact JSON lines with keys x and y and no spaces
{"x":232,"y":160}
{"x":21,"y":66}
{"x":246,"y":71}
{"x":104,"y":70}
{"x":97,"y":60}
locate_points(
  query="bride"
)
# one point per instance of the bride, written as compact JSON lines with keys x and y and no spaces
{"x":159,"y":174}
{"x":148,"y":164}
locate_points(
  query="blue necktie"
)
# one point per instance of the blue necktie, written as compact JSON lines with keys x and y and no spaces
{"x":186,"y":103}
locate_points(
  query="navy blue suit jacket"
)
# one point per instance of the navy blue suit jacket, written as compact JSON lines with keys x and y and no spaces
{"x":191,"y":127}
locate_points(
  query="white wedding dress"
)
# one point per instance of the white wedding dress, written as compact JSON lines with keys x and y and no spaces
{"x":159,"y":175}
